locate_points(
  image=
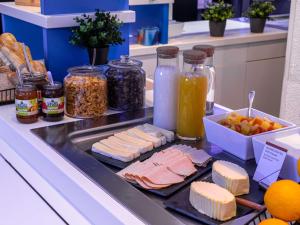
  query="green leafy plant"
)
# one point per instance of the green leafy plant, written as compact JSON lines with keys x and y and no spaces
{"x":218,"y":12}
{"x":99,"y":31}
{"x":260,"y":9}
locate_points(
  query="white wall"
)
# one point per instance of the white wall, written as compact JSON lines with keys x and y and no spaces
{"x":290,"y":102}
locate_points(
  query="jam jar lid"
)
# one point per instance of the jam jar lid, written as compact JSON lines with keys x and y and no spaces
{"x":125,"y":62}
{"x":26,"y":87}
{"x":55,"y":86}
{"x":87,"y":71}
{"x":34,"y":76}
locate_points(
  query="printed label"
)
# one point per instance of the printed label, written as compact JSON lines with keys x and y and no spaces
{"x":26,"y":107}
{"x":53,"y":105}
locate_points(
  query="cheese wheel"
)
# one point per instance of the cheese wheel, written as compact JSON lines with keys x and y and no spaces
{"x":212,"y":200}
{"x":231,"y":176}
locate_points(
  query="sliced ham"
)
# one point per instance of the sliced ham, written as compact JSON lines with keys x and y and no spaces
{"x":176,"y":161}
{"x":135,"y":170}
{"x":182,"y":166}
{"x":129,"y":169}
{"x":198,"y":156}
{"x":162,"y":176}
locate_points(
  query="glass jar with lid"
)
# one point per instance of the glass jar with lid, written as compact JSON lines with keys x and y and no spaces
{"x":85,"y":92}
{"x":166,"y":87}
{"x":193,"y":89}
{"x":26,"y":103}
{"x":38,"y":80}
{"x":209,"y":64}
{"x":126,"y":82}
{"x":53,"y":102}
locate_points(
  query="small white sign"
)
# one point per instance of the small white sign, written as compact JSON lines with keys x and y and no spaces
{"x":270,"y":164}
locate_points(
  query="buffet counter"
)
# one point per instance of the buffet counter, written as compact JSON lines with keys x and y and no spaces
{"x":73,"y":195}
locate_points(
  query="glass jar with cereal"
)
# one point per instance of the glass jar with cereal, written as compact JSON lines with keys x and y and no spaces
{"x":85,"y":92}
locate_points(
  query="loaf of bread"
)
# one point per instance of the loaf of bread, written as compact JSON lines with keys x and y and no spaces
{"x":7,"y":39}
{"x":38,"y":67}
{"x":12,"y":55}
{"x":14,"y":59}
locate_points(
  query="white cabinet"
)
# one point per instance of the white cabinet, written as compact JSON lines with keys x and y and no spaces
{"x":265,"y":77}
{"x":240,"y":68}
{"x":230,"y":76}
{"x":20,"y":204}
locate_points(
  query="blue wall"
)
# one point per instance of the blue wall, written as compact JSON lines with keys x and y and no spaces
{"x":151,"y":15}
{"x":60,"y":55}
{"x":50,"y":7}
{"x":30,"y":34}
{"x":53,"y":44}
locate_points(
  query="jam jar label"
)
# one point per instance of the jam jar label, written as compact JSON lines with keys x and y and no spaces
{"x":26,"y":107}
{"x":53,"y":105}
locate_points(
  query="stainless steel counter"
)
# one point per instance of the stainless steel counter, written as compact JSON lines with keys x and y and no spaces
{"x":73,"y":141}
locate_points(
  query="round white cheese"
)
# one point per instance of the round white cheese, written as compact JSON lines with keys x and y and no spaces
{"x":231,"y":176}
{"x":212,"y":200}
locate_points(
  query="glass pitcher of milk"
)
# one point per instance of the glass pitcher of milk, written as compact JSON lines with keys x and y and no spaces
{"x":166,"y":87}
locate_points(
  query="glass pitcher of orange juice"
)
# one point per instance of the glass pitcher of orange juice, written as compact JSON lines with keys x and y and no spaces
{"x":193,"y":88}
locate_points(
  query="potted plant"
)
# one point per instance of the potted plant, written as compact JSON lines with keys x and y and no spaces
{"x":259,"y":12}
{"x":217,"y":13}
{"x":96,"y":34}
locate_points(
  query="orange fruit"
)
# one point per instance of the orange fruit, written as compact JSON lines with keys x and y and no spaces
{"x":273,"y":221}
{"x":282,"y":200}
{"x":299,"y":167}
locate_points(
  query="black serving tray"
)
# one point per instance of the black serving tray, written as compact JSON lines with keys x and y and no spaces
{"x":181,"y":204}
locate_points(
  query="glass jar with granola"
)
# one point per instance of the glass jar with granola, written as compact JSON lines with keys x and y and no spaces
{"x":85,"y":92}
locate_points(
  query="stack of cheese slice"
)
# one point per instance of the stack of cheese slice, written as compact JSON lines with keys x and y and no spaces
{"x":230,"y":176}
{"x":212,"y":200}
{"x":128,"y":145}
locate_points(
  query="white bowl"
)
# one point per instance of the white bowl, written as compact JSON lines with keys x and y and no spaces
{"x":289,"y":168}
{"x":233,"y":142}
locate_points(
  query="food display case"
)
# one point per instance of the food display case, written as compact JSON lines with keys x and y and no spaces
{"x":74,"y":141}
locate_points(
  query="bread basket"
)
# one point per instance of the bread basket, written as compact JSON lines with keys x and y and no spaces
{"x":28,"y":2}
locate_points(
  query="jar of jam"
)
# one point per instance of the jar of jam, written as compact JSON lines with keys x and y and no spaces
{"x":53,"y":102}
{"x":26,"y":103}
{"x":38,"y":80}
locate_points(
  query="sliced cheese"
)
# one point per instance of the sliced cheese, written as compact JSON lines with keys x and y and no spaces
{"x":212,"y":200}
{"x":126,"y":144}
{"x":231,"y":176}
{"x":168,"y":134}
{"x":144,"y":136}
{"x":112,"y":153}
{"x":146,"y":145}
{"x":112,"y":144}
{"x":154,"y":133}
